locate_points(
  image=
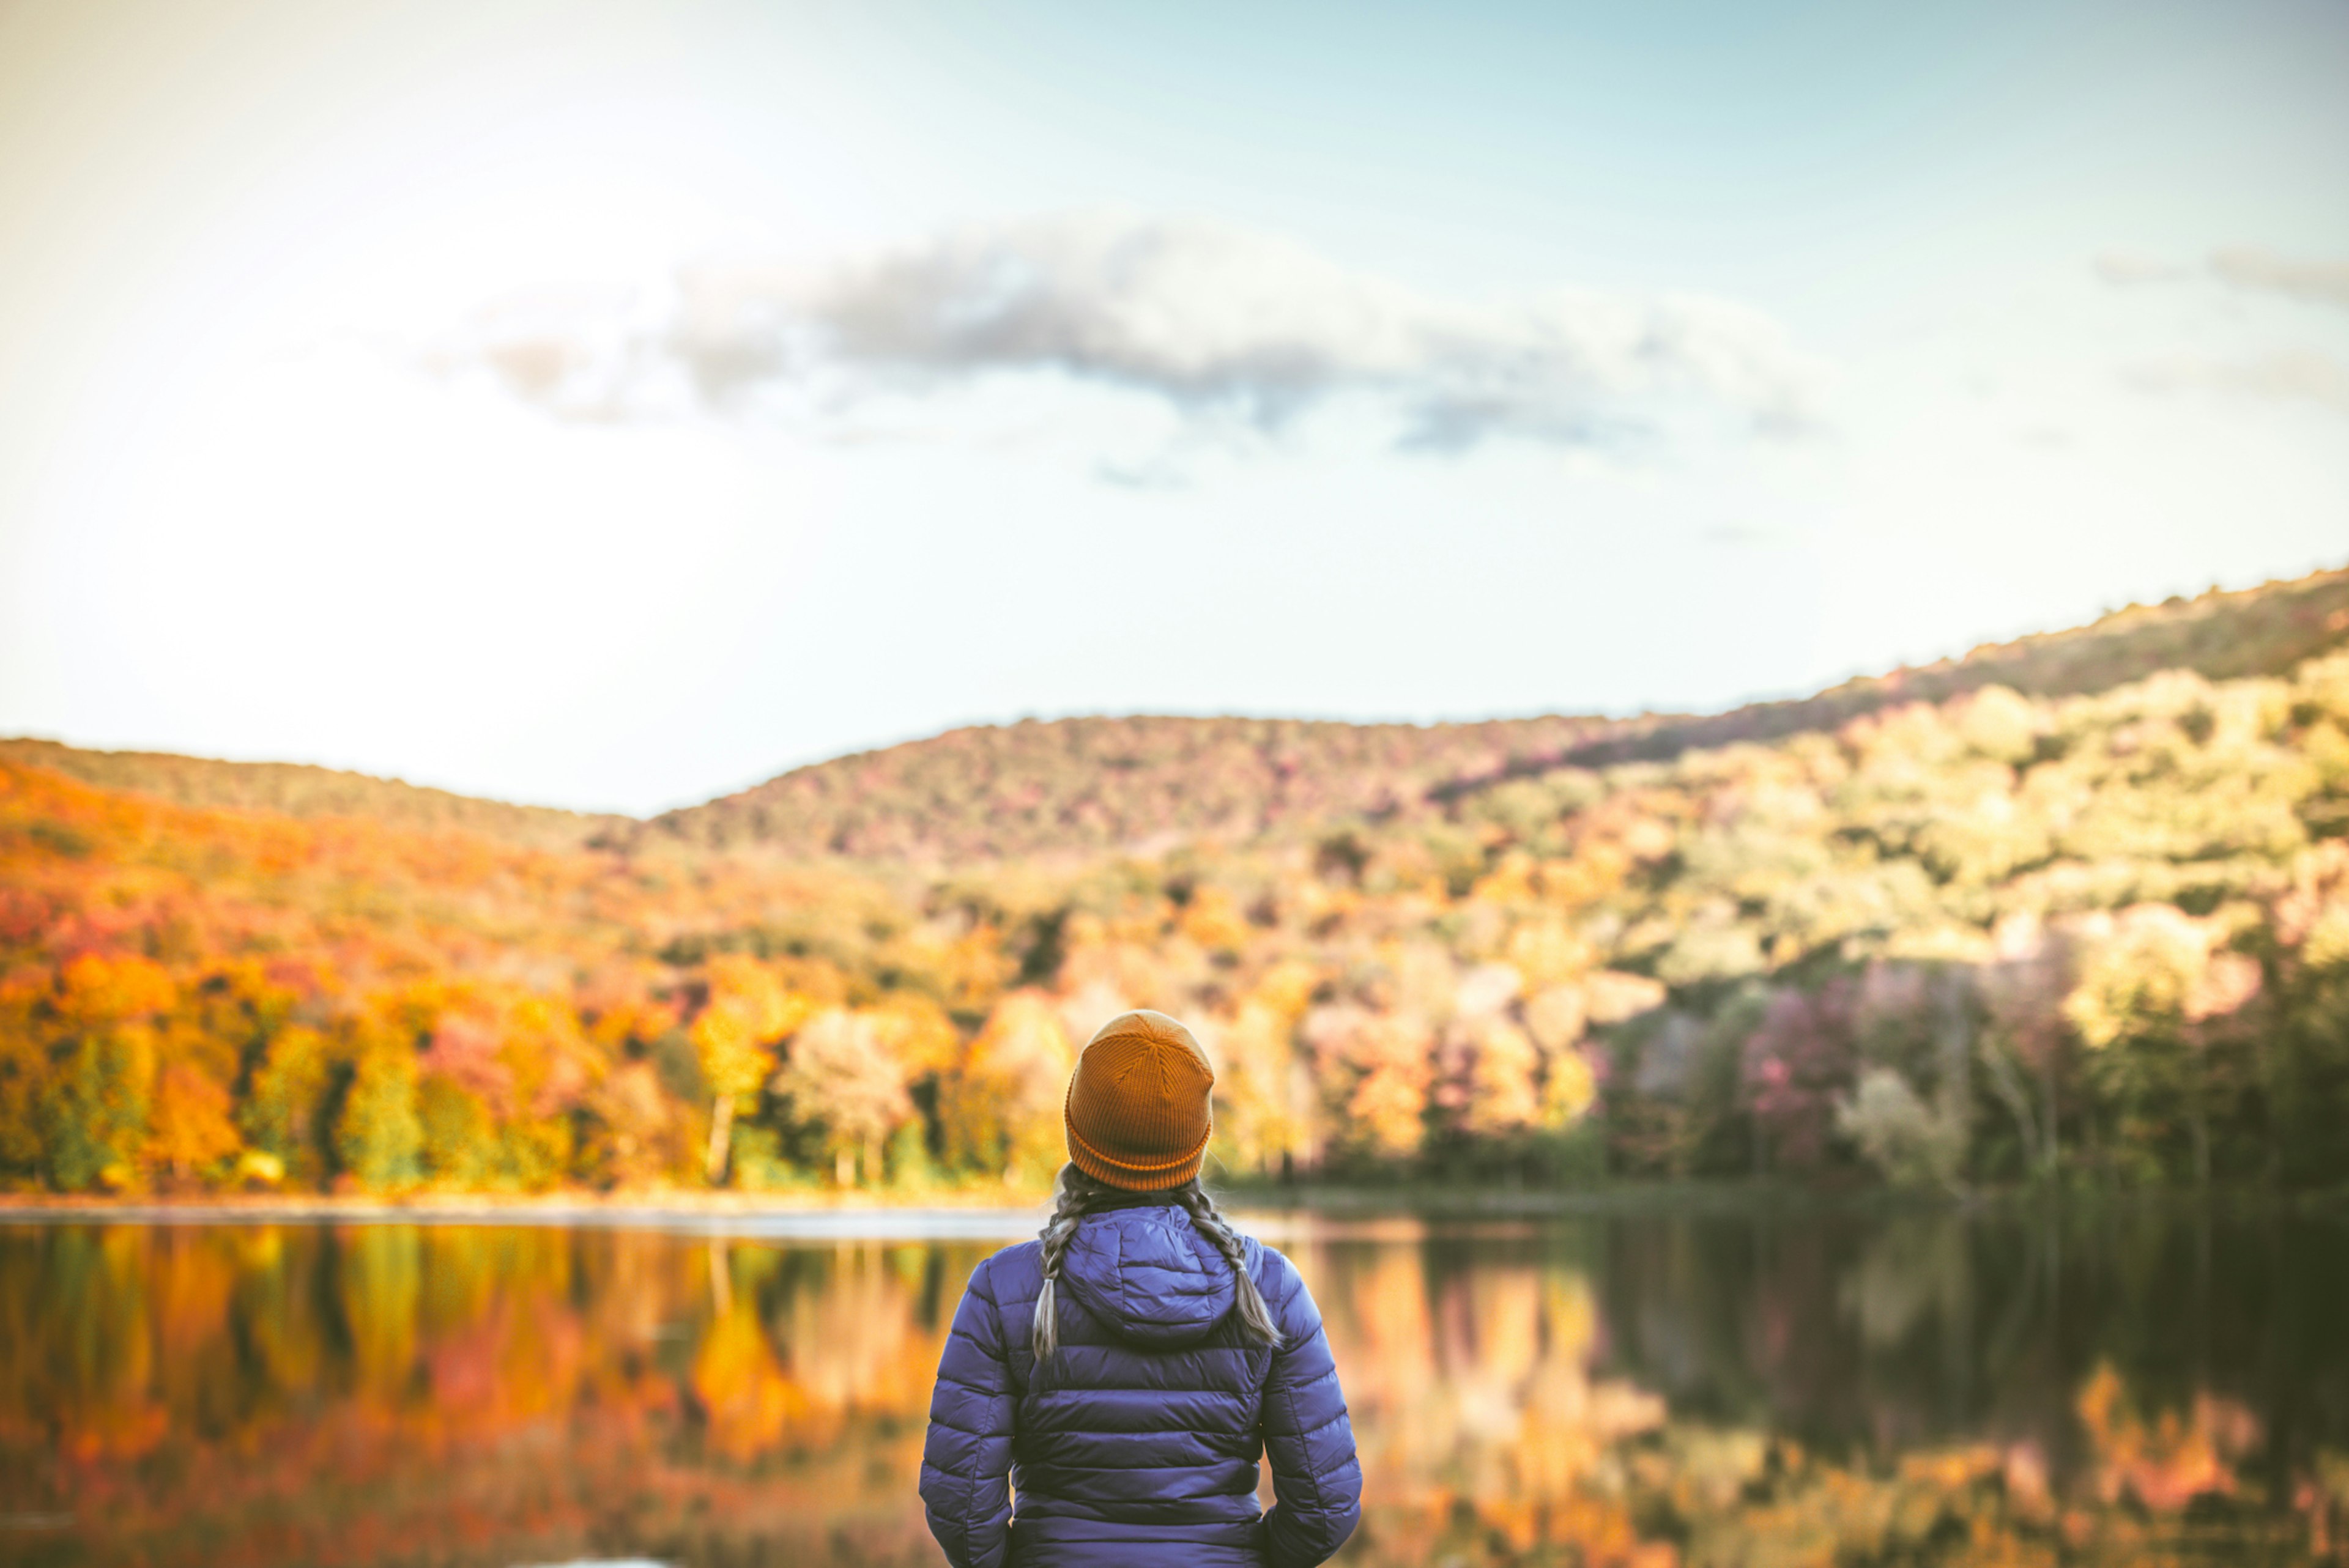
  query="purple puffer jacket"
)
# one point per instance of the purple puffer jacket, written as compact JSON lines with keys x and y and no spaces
{"x":1137,"y":1444}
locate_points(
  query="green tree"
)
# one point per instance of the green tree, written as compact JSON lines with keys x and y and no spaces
{"x":97,"y":1108}
{"x":459,"y":1142}
{"x":2151,"y":989}
{"x":24,"y":1093}
{"x":284,"y":1110}
{"x":378,"y":1138}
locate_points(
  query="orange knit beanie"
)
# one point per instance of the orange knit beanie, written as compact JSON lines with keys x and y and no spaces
{"x":1137,"y":1109}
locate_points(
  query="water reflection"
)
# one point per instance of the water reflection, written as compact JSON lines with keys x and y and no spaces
{"x":1726,"y":1388}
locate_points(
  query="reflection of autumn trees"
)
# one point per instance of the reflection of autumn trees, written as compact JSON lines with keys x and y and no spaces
{"x":283,"y":1395}
{"x":1492,"y":1432}
{"x":385,"y":1393}
{"x":1473,"y":1392}
{"x":2166,"y":1460}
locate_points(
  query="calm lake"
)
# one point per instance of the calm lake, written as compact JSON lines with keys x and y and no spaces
{"x":1725,"y":1387}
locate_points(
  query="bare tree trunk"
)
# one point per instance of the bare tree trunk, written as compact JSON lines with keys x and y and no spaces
{"x":2269,"y":1093}
{"x":1957,"y":1086}
{"x":2008,"y":1084}
{"x":2199,"y":1120}
{"x":721,"y":1138}
{"x":843,"y":1167}
{"x":2053,"y":1140}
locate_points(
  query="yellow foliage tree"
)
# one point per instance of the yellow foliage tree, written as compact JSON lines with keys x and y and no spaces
{"x":750,"y":1011}
{"x":188,"y":1126}
{"x":1000,"y":1109}
{"x":1264,"y":1091}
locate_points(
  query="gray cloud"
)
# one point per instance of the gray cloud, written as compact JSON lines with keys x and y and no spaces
{"x":1220,"y":322}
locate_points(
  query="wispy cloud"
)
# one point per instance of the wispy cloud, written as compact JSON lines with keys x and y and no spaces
{"x":2246,"y":267}
{"x":2286,"y":376}
{"x":2281,"y":373}
{"x":2127,"y":268}
{"x":1221,"y":323}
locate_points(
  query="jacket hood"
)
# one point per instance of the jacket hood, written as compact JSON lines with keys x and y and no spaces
{"x":1150,"y":1275}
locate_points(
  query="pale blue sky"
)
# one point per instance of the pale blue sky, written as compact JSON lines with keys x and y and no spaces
{"x":615,"y":404}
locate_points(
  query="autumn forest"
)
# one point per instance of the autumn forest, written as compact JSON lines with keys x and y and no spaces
{"x":2070,"y":911}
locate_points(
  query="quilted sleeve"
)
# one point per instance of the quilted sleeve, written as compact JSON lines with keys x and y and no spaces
{"x":1315,"y":1475}
{"x":967,"y":1458}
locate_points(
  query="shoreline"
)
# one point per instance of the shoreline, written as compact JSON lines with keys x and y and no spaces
{"x":501,"y":1205}
{"x":949,"y":1212}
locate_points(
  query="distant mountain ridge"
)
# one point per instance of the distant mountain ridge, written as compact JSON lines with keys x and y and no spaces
{"x":1084,"y":786}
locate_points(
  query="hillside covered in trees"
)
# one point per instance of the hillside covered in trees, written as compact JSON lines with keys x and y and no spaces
{"x":2072,"y":909}
{"x":1092,"y":785}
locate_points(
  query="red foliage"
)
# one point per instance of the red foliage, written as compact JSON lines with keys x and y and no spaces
{"x":1795,"y":1067}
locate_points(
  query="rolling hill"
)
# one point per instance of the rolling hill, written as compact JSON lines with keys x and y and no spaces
{"x":1085,"y":785}
{"x":300,"y":790}
{"x":1078,"y":787}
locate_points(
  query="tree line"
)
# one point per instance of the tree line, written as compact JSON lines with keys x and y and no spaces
{"x":1990,"y":940}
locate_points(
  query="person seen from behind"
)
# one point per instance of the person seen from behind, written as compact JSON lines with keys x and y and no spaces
{"x":1123,"y":1374}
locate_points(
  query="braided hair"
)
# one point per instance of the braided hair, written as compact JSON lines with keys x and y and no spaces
{"x":1078,"y":1193}
{"x":1256,"y":1318}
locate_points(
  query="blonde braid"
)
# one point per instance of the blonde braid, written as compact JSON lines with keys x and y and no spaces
{"x":1076,"y":1190}
{"x":1254,"y":1316}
